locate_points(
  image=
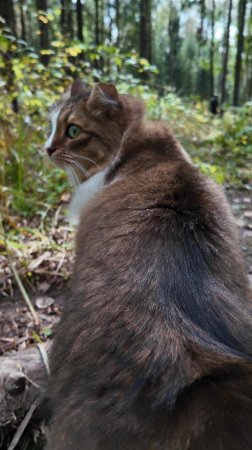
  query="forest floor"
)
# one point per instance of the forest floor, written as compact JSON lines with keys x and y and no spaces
{"x":41,"y":251}
{"x":48,"y":264}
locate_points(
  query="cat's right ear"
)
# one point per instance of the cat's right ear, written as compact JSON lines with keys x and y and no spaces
{"x":103,"y":100}
{"x":78,"y":88}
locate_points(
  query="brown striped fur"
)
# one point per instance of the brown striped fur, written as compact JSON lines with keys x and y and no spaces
{"x":154,"y":348}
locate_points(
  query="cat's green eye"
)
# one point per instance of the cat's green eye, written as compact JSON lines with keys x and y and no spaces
{"x":73,"y":131}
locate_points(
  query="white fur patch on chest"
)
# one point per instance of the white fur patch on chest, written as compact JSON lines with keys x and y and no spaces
{"x":84,"y":193}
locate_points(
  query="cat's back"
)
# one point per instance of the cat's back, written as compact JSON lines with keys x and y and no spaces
{"x":162,"y":205}
{"x":153,"y":352}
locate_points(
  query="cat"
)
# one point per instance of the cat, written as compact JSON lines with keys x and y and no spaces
{"x":154,"y":347}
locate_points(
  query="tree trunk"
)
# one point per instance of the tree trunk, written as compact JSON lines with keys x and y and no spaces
{"x":97,"y":28}
{"x":240,"y":45}
{"x":202,"y":16}
{"x":117,"y":21}
{"x":66,"y":19}
{"x":110,"y":22}
{"x":226,"y":52}
{"x":43,"y":28}
{"x":63,"y":17}
{"x":102,"y":24}
{"x":22,"y":20}
{"x":145,"y":47}
{"x":174,"y":43}
{"x":70,"y":20}
{"x":79,"y":20}
{"x":8,"y":13}
{"x":29,"y":31}
{"x":212,"y":47}
{"x":249,"y":59}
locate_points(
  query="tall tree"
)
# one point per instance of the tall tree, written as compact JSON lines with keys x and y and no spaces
{"x":8,"y":13}
{"x":174,"y":45}
{"x":66,"y":19}
{"x":109,"y":16}
{"x":202,"y":73}
{"x":97,"y":23}
{"x":129,"y":25}
{"x":249,"y":56}
{"x":43,"y":29}
{"x":63,"y":15}
{"x":212,"y":49}
{"x":102,"y":21}
{"x":31,"y":37}
{"x":145,"y":47}
{"x":239,"y":50}
{"x":226,"y":52}
{"x":202,"y":16}
{"x":117,"y":21}
{"x":79,"y":20}
{"x":22,"y":20}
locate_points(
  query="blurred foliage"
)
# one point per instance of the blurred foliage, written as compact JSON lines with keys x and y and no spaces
{"x":29,"y":183}
{"x":27,"y":178}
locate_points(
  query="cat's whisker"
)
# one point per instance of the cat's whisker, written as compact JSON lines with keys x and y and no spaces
{"x":85,"y":159}
{"x":67,"y":159}
{"x":70,"y":175}
{"x":74,"y":180}
{"x":84,"y":171}
{"x":75,"y":175}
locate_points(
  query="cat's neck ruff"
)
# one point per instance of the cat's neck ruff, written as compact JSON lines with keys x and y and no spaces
{"x":84,"y":193}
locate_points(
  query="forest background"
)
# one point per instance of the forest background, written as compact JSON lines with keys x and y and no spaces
{"x":176,"y":55}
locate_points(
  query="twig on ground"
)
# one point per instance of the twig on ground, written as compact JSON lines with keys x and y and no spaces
{"x":25,"y":295}
{"x":22,"y":426}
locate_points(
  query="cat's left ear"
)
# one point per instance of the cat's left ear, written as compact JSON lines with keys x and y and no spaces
{"x":103,"y":99}
{"x":78,"y":88}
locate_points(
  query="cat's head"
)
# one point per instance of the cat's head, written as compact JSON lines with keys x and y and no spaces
{"x":87,"y":128}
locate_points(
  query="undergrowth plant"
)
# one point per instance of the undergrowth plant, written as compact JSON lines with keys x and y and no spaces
{"x":31,"y":187}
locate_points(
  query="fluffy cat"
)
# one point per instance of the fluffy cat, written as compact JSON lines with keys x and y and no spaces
{"x":153,"y":351}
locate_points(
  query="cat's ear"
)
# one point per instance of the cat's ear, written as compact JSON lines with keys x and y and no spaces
{"x":103,"y":99}
{"x":78,"y":88}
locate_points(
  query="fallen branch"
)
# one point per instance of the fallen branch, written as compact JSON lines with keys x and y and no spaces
{"x":23,"y":381}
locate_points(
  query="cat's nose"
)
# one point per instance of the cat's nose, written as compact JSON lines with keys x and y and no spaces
{"x":50,"y":150}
